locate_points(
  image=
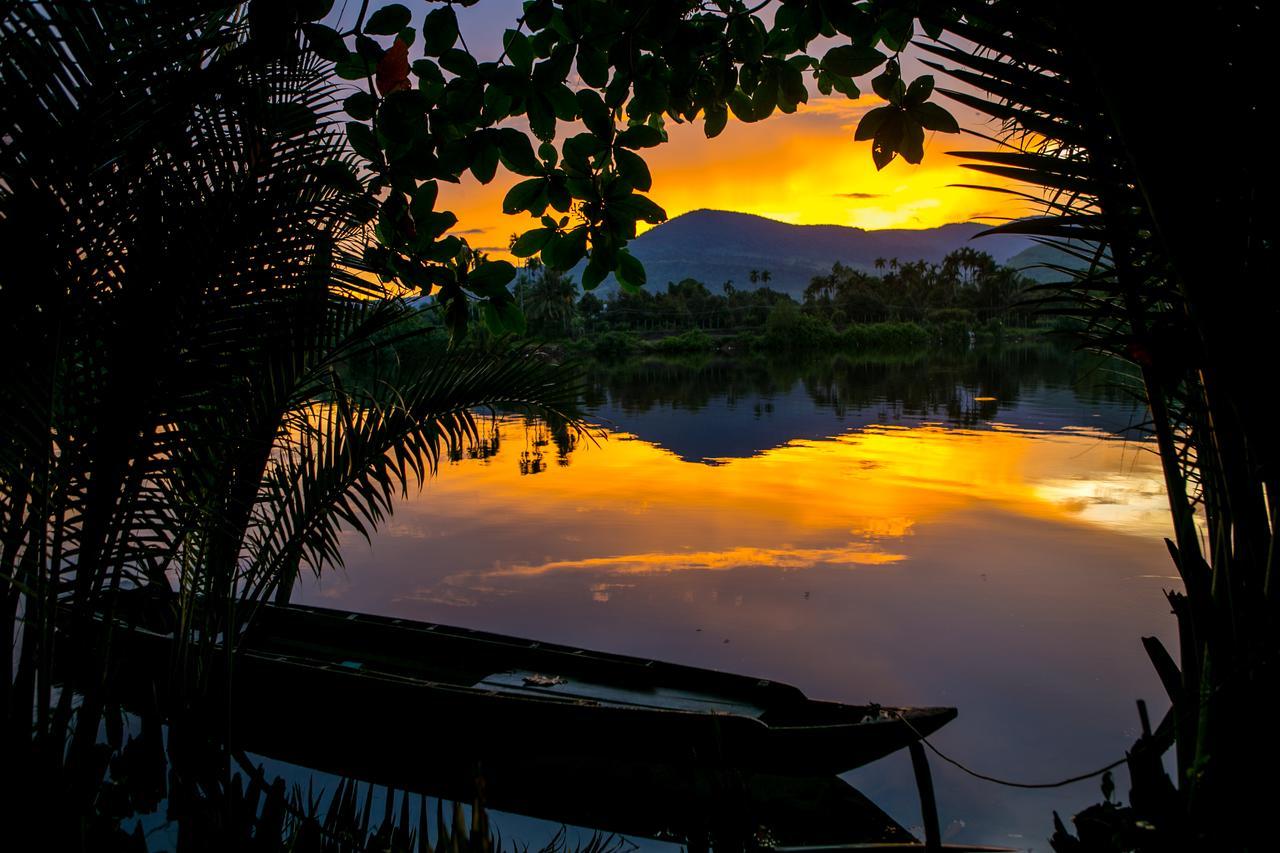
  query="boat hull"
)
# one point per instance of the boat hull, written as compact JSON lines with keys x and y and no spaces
{"x":385,"y":691}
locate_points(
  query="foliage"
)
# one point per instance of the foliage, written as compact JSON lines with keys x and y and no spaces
{"x":187,"y":229}
{"x":965,"y":280}
{"x":788,"y":328}
{"x":688,"y":304}
{"x":548,"y":298}
{"x":640,"y":65}
{"x":963,"y":292}
{"x":694,"y":340}
{"x":885,"y":337}
{"x":611,"y":346}
{"x":1166,"y":252}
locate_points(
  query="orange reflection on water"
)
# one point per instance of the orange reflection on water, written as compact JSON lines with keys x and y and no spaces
{"x":628,"y":507}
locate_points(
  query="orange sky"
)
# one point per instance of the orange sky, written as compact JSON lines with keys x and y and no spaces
{"x":803,"y":168}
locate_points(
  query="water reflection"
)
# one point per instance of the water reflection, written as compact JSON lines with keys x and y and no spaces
{"x":865,"y":531}
{"x":714,"y":407}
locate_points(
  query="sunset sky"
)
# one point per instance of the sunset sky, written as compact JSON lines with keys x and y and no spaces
{"x":803,"y":168}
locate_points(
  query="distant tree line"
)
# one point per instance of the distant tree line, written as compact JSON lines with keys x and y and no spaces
{"x":966,"y":291}
{"x":967,"y":285}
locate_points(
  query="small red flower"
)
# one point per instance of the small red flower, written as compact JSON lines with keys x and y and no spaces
{"x":393,"y":69}
{"x":1140,"y":354}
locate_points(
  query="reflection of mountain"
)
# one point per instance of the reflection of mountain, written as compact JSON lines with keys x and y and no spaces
{"x":714,"y":246}
{"x":725,"y":409}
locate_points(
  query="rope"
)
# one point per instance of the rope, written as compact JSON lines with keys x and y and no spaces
{"x":1005,"y":782}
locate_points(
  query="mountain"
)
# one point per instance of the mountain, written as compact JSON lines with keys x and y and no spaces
{"x":1035,"y":260}
{"x":715,"y":246}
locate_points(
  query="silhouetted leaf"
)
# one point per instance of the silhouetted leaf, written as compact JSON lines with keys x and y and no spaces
{"x":517,"y":152}
{"x":630,"y":272}
{"x":594,"y":273}
{"x":485,"y":164}
{"x":360,"y":106}
{"x":740,"y":104}
{"x":593,"y":67}
{"x":326,"y":42}
{"x":919,"y":91}
{"x":458,"y":61}
{"x":632,"y":167}
{"x":354,"y":67}
{"x":639,"y":207}
{"x":717,"y":116}
{"x":518,"y":49}
{"x":491,"y":276}
{"x":640,"y":136}
{"x":852,"y":60}
{"x":935,"y":117}
{"x":439,"y":31}
{"x":528,"y":195}
{"x":531,"y":242}
{"x":911,"y":146}
{"x":388,"y":21}
{"x":504,"y":317}
{"x":363,"y":142}
{"x":565,"y":250}
{"x":870,"y":123}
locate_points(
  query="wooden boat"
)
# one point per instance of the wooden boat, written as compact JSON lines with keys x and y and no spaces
{"x":421,"y":692}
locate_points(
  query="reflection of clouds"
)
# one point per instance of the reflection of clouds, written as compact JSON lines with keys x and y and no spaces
{"x":600,"y":591}
{"x":1129,"y":503}
{"x":889,"y":527}
{"x":664,"y":562}
{"x":632,"y":511}
{"x":463,"y":589}
{"x":451,"y":594}
{"x":406,"y":530}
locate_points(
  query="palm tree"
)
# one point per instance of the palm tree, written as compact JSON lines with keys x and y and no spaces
{"x":1160,"y":290}
{"x":191,"y":230}
{"x":549,"y":297}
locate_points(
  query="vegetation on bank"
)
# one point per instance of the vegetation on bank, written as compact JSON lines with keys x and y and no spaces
{"x":905,"y":305}
{"x":788,"y":332}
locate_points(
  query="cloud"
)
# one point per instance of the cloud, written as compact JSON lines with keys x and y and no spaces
{"x":860,"y":195}
{"x":473,"y":231}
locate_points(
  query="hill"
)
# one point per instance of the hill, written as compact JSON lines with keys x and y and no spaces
{"x":1036,"y":262}
{"x":715,"y":246}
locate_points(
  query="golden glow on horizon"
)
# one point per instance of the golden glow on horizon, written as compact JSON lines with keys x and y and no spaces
{"x":804,"y":169}
{"x":851,"y":501}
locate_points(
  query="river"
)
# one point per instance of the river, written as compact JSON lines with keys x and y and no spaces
{"x":979,"y":530}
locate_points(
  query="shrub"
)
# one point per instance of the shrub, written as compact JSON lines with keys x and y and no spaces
{"x":951,"y":326}
{"x":787,"y":328}
{"x":612,"y":346}
{"x":694,"y":340}
{"x":883,"y":337}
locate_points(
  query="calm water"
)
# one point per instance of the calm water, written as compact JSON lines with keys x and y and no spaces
{"x":976,"y":533}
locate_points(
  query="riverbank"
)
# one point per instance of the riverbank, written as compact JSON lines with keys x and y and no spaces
{"x":805,"y":335}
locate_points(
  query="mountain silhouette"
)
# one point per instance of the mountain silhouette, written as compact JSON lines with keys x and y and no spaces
{"x":715,"y":246}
